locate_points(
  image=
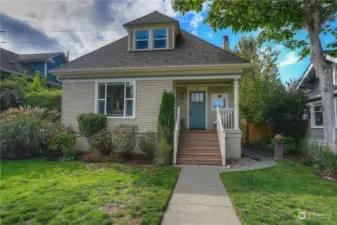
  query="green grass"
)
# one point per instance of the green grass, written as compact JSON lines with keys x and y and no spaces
{"x":276,"y":195}
{"x":40,"y":192}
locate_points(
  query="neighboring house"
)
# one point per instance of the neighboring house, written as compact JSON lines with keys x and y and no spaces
{"x":12,"y":63}
{"x":309,"y":82}
{"x":125,"y":81}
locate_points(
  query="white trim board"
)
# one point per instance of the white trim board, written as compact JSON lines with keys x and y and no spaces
{"x":175,"y":77}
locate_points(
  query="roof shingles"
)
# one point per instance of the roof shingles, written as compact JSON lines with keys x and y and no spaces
{"x":189,"y":50}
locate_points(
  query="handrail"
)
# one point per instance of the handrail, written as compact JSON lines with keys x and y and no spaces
{"x":176,"y":136}
{"x":227,"y":116}
{"x":221,"y":136}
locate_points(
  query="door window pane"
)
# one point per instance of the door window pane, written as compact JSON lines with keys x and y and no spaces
{"x":197,"y":99}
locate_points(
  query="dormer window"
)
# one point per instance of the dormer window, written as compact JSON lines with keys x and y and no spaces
{"x":151,"y":39}
{"x":142,"y":39}
{"x":159,"y":38}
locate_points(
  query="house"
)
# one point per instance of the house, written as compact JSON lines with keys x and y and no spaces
{"x":125,"y":80}
{"x":12,"y":63}
{"x":309,"y":82}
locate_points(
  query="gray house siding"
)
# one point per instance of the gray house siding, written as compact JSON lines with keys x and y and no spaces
{"x":318,"y":133}
{"x":79,"y":97}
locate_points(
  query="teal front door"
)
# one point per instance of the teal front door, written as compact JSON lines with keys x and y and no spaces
{"x":197,"y":112}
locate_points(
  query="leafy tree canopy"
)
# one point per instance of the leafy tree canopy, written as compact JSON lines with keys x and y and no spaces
{"x":277,"y":20}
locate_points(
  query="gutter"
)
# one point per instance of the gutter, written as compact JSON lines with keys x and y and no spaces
{"x":60,"y":72}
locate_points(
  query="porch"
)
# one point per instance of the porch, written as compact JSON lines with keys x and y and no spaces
{"x":211,"y":105}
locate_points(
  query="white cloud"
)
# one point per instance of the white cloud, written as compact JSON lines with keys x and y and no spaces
{"x":194,"y":32}
{"x":196,"y":19}
{"x":209,"y":34}
{"x":289,"y":59}
{"x":102,"y":21}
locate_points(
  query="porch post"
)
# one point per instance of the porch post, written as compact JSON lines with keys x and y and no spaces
{"x":236,"y":104}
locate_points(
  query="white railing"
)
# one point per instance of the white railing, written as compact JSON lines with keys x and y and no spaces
{"x":176,"y":136}
{"x":227,"y":117}
{"x":221,"y":135}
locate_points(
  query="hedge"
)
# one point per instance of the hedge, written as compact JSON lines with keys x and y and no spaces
{"x":50,"y":99}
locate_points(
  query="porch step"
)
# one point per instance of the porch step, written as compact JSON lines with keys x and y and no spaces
{"x":199,"y":147}
{"x":199,"y":161}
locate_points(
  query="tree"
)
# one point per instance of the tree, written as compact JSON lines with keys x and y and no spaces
{"x":285,"y":110}
{"x":261,"y":82}
{"x":278,"y":22}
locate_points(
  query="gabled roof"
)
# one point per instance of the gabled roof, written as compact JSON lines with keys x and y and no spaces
{"x":189,"y":50}
{"x":309,"y":74}
{"x":9,"y":62}
{"x":152,"y":18}
{"x":40,"y":56}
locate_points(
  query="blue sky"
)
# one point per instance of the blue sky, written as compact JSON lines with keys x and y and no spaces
{"x":289,"y":64}
{"x":81,"y":26}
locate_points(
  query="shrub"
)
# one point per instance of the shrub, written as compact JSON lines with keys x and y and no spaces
{"x":90,"y":123}
{"x":22,"y":137}
{"x":102,"y":142}
{"x":166,"y":117}
{"x":148,"y":144}
{"x":32,"y":112}
{"x":63,"y":142}
{"x":163,"y":154}
{"x":50,"y":99}
{"x":10,"y":96}
{"x":290,"y":146}
{"x":322,"y":157}
{"x":123,"y":140}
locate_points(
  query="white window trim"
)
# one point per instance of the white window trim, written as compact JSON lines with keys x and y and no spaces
{"x":334,"y":74}
{"x":150,"y":39}
{"x":225,"y":97}
{"x":158,"y":39}
{"x":312,"y":111}
{"x":125,"y":99}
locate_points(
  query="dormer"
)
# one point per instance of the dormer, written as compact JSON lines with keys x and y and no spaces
{"x":154,"y":31}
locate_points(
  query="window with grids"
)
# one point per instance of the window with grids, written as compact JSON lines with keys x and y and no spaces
{"x":142,"y":39}
{"x":318,"y":115}
{"x":116,"y":99}
{"x":159,"y":38}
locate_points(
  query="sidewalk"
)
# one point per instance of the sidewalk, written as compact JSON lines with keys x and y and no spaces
{"x":200,"y":198}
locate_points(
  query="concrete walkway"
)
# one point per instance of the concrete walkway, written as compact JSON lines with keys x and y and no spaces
{"x":201,"y":198}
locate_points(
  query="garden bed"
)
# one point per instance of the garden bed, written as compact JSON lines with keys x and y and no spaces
{"x":288,"y":193}
{"x":40,"y":192}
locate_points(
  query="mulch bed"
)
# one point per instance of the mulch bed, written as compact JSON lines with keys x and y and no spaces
{"x":325,"y":176}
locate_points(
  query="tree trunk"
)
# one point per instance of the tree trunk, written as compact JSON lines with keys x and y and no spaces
{"x":324,"y":72}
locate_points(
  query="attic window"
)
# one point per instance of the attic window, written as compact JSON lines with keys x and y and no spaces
{"x":142,"y":39}
{"x":159,"y":38}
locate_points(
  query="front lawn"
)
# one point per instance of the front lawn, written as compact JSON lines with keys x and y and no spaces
{"x":39,"y":192}
{"x":277,"y":195}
